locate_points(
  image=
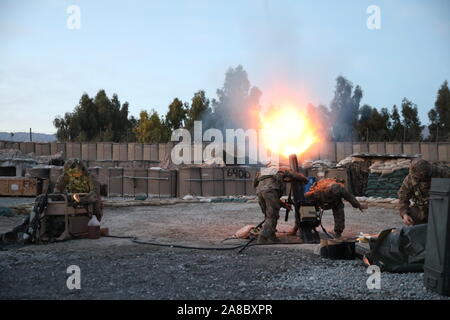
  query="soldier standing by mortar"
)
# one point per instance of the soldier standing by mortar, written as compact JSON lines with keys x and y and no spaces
{"x":416,"y":187}
{"x":270,"y":185}
{"x":328,"y":194}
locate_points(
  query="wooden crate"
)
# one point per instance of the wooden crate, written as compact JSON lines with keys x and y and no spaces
{"x":18,"y":186}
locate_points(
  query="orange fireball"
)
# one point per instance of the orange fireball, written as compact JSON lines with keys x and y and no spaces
{"x":289,"y":130}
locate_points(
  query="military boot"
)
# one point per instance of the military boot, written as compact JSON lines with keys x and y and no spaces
{"x":267,"y":238}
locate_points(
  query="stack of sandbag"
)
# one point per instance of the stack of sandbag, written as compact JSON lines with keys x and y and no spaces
{"x":385,"y":185}
{"x":385,"y":167}
{"x":377,"y":200}
{"x":349,"y":160}
{"x":324,"y":164}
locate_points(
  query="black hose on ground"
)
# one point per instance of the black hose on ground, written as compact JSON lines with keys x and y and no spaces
{"x":241,"y":246}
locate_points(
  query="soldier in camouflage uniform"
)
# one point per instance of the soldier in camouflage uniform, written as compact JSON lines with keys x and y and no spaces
{"x":270,"y":186}
{"x":329,"y":196}
{"x":416,"y":187}
{"x":74,"y":179}
{"x":77,"y":179}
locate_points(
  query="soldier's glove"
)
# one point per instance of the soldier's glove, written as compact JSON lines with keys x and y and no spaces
{"x":363,"y":207}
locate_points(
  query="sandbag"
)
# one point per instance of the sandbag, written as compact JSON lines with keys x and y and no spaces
{"x":244,"y":232}
{"x":399,"y":250}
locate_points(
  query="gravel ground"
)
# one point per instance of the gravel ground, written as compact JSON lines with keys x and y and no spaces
{"x":119,"y":269}
{"x":14,"y":201}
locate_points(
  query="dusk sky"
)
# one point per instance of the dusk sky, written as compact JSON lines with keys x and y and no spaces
{"x":149,"y":52}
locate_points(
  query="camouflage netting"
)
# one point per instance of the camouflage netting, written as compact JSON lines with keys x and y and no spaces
{"x":385,"y":185}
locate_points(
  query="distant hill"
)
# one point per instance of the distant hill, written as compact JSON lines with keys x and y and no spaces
{"x":25,"y":136}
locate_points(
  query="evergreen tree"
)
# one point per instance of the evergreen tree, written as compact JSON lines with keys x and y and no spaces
{"x":235,"y":101}
{"x":440,"y":115}
{"x":396,"y":128}
{"x":412,"y":125}
{"x":98,"y":119}
{"x":198,"y":110}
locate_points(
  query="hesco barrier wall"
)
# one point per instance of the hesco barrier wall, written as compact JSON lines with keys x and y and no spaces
{"x":155,"y":153}
{"x":226,"y":181}
{"x":130,"y":182}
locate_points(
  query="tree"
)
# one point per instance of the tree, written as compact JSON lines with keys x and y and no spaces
{"x":373,"y":125}
{"x":98,"y":119}
{"x":440,"y":115}
{"x":235,"y":101}
{"x":149,"y":129}
{"x":411,"y":123}
{"x":198,"y":110}
{"x":344,"y":109}
{"x":396,"y":128}
{"x":176,"y":116}
{"x":362,"y":127}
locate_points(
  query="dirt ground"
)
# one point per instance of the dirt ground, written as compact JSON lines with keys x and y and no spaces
{"x":120,"y":269}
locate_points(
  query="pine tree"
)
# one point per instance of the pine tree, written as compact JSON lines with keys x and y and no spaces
{"x":412,"y":125}
{"x":440,"y":115}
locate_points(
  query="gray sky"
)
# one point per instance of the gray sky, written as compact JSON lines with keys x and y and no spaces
{"x":149,"y":52}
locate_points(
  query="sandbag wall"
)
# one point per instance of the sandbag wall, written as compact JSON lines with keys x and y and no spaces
{"x":225,"y":181}
{"x":385,"y":185}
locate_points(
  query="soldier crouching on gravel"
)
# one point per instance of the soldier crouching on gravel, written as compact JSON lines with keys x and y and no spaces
{"x":76,"y":179}
{"x":328,"y":194}
{"x":416,"y":187}
{"x":270,"y":185}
